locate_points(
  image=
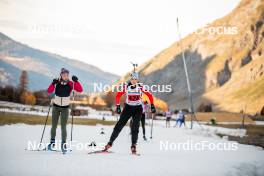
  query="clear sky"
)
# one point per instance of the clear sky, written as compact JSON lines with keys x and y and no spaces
{"x":106,"y":33}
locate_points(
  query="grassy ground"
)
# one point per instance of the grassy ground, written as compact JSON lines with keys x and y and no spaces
{"x":12,"y":118}
{"x":254,"y":135}
{"x":221,"y":117}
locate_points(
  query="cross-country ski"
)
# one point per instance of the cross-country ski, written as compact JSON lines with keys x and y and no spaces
{"x":99,"y":152}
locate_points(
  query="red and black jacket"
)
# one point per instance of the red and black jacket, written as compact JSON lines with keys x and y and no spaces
{"x":63,"y":91}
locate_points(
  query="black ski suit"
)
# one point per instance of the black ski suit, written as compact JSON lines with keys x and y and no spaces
{"x":133,"y":108}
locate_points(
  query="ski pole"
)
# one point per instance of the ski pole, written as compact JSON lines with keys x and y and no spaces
{"x":43,"y":131}
{"x":151,"y":130}
{"x":72,"y":110}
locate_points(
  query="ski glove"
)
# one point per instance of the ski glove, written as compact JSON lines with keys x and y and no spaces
{"x":118,"y":109}
{"x":55,"y":81}
{"x":74,"y":78}
{"x":153,"y":109}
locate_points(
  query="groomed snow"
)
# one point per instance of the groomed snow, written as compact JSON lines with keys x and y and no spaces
{"x":245,"y":160}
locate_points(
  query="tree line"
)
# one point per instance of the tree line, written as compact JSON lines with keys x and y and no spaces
{"x":21,"y":93}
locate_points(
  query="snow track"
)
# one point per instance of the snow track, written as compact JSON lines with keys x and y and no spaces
{"x":245,"y":160}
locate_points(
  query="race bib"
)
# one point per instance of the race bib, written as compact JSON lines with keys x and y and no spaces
{"x":133,"y":97}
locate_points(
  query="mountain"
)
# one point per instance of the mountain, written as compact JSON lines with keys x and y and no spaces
{"x":43,"y":66}
{"x":226,"y":68}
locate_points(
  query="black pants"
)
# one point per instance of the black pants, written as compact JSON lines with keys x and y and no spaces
{"x":129,"y":111}
{"x":143,"y":120}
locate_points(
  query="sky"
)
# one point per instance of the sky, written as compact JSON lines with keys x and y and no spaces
{"x":104,"y":33}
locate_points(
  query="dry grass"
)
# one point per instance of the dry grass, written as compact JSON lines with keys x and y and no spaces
{"x":254,"y":134}
{"x":12,"y":118}
{"x":216,"y":64}
{"x":251,"y":91}
{"x":243,"y":91}
{"x":221,"y":117}
{"x":251,"y":129}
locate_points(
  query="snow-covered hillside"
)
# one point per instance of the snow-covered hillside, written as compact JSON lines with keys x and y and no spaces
{"x":155,"y":160}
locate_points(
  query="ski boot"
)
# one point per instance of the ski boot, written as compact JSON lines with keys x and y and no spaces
{"x":133,"y":149}
{"x":102,"y":131}
{"x":63,"y":147}
{"x":108,"y":146}
{"x":144,"y":137}
{"x":51,"y":145}
{"x":92,"y":144}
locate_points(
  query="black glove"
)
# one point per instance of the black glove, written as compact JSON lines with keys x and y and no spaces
{"x":118,"y":109}
{"x":74,"y":78}
{"x":153,"y":109}
{"x":55,"y":81}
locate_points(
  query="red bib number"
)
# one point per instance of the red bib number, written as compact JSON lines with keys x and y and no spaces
{"x":133,"y":97}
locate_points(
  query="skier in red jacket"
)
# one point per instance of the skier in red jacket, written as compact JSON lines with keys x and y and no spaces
{"x":132,"y":108}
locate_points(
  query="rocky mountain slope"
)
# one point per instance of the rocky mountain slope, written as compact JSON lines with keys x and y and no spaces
{"x":43,"y":66}
{"x":225,"y":61}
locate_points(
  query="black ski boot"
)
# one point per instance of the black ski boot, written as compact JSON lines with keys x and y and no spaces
{"x":51,"y":145}
{"x":144,"y":137}
{"x":102,"y":131}
{"x":92,"y":144}
{"x":63,"y":147}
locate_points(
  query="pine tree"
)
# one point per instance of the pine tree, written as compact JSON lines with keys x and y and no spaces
{"x":23,"y":82}
{"x":23,"y":86}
